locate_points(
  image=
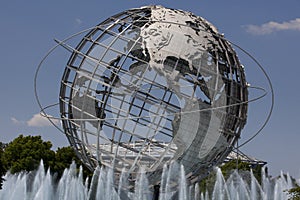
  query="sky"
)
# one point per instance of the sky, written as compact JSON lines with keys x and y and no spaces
{"x":268,"y":30}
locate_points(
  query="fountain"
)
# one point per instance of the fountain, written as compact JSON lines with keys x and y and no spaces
{"x":41,"y":185}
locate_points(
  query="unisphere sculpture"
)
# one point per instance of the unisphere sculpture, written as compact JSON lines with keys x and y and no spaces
{"x":151,"y":86}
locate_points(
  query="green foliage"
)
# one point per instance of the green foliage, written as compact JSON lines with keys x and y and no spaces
{"x":63,"y":158}
{"x":2,"y":170}
{"x":227,"y":169}
{"x":294,"y":193}
{"x":208,"y":183}
{"x":25,"y":154}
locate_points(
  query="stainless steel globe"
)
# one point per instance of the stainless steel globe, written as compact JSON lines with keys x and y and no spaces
{"x":151,"y":86}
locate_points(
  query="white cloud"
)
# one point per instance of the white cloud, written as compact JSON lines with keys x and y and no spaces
{"x":16,"y":122}
{"x":41,"y":121}
{"x":271,"y":27}
{"x":78,"y":21}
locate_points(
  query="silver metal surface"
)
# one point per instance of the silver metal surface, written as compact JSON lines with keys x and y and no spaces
{"x":150,"y":86}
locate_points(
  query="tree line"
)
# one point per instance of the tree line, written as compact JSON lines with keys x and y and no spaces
{"x":25,"y":153}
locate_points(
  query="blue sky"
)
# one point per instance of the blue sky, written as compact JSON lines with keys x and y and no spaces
{"x":269,"y":30}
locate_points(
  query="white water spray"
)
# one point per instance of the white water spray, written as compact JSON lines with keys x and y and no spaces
{"x":40,"y":185}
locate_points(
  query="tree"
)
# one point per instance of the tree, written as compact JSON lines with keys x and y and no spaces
{"x":227,"y":169}
{"x":294,"y":193}
{"x":25,"y":154}
{"x":63,"y":158}
{"x":2,"y":169}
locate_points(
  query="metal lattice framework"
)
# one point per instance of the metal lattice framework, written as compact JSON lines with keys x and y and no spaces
{"x":150,"y":86}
